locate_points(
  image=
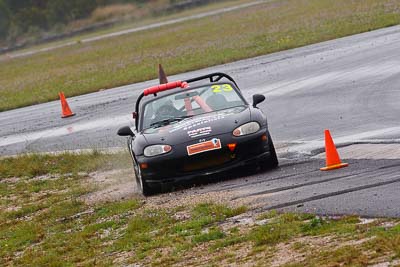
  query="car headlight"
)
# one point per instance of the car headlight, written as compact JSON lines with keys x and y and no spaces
{"x":248,"y":128}
{"x":155,"y":150}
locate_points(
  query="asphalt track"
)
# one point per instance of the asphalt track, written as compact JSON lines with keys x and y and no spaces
{"x":349,"y":85}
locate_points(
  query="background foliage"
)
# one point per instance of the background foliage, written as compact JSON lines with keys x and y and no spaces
{"x":35,"y":16}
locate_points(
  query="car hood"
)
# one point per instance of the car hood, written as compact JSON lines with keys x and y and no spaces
{"x":198,"y":127}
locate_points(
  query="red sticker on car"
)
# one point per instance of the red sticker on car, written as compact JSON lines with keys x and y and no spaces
{"x":204,"y":146}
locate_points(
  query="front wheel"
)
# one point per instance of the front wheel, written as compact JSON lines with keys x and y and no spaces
{"x":272,"y":161}
{"x":140,"y":182}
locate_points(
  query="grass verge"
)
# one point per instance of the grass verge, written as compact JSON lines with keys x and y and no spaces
{"x":257,"y":30}
{"x":45,"y":222}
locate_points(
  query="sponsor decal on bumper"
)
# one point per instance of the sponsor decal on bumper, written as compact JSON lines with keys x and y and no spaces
{"x":213,"y":144}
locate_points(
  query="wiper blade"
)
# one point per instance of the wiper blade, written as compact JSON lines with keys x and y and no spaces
{"x":184,"y":117}
{"x":168,"y":121}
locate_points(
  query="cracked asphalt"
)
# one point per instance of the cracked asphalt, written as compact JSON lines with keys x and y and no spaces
{"x":349,"y":85}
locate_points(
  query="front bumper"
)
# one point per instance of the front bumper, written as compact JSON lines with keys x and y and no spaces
{"x":178,"y":166}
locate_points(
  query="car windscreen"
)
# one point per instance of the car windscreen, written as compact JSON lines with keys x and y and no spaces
{"x":190,"y":102}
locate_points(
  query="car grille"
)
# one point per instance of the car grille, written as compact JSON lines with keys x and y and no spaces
{"x":206,"y":160}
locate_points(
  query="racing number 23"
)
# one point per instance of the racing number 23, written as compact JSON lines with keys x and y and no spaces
{"x":218,"y":88}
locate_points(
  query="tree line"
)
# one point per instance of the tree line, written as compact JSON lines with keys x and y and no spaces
{"x":19,"y":16}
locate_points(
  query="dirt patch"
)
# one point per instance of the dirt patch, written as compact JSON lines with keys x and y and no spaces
{"x":121,"y":257}
{"x":300,"y":248}
{"x":51,"y":177}
{"x":111,"y":186}
{"x":235,"y":255}
{"x":120,"y":184}
{"x":285,"y":254}
{"x":187,"y":198}
{"x":387,"y":264}
{"x":13,"y":208}
{"x":12,"y":180}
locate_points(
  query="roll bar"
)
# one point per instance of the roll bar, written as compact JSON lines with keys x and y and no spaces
{"x":214,"y":77}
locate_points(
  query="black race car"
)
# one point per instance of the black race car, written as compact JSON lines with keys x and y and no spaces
{"x":188,"y":129}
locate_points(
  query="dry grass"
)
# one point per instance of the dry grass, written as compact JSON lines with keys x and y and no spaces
{"x":113,"y":11}
{"x":119,"y":12}
{"x":254,"y":31}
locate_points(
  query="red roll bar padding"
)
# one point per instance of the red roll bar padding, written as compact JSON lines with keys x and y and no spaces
{"x":163,"y":87}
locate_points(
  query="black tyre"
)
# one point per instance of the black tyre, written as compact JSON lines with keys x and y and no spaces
{"x":272,"y":161}
{"x":141,"y":183}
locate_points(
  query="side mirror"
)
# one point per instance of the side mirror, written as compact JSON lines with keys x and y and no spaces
{"x":257,"y":99}
{"x":125,"y":131}
{"x":134,"y":115}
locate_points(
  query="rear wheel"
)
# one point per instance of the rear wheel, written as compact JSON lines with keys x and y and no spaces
{"x":272,"y":161}
{"x":140,"y":182}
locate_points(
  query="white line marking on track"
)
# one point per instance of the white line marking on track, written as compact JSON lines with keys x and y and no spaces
{"x":65,"y":130}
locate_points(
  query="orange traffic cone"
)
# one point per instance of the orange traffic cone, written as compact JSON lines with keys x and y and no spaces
{"x":332,"y":156}
{"x":65,"y":110}
{"x":161,"y":75}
